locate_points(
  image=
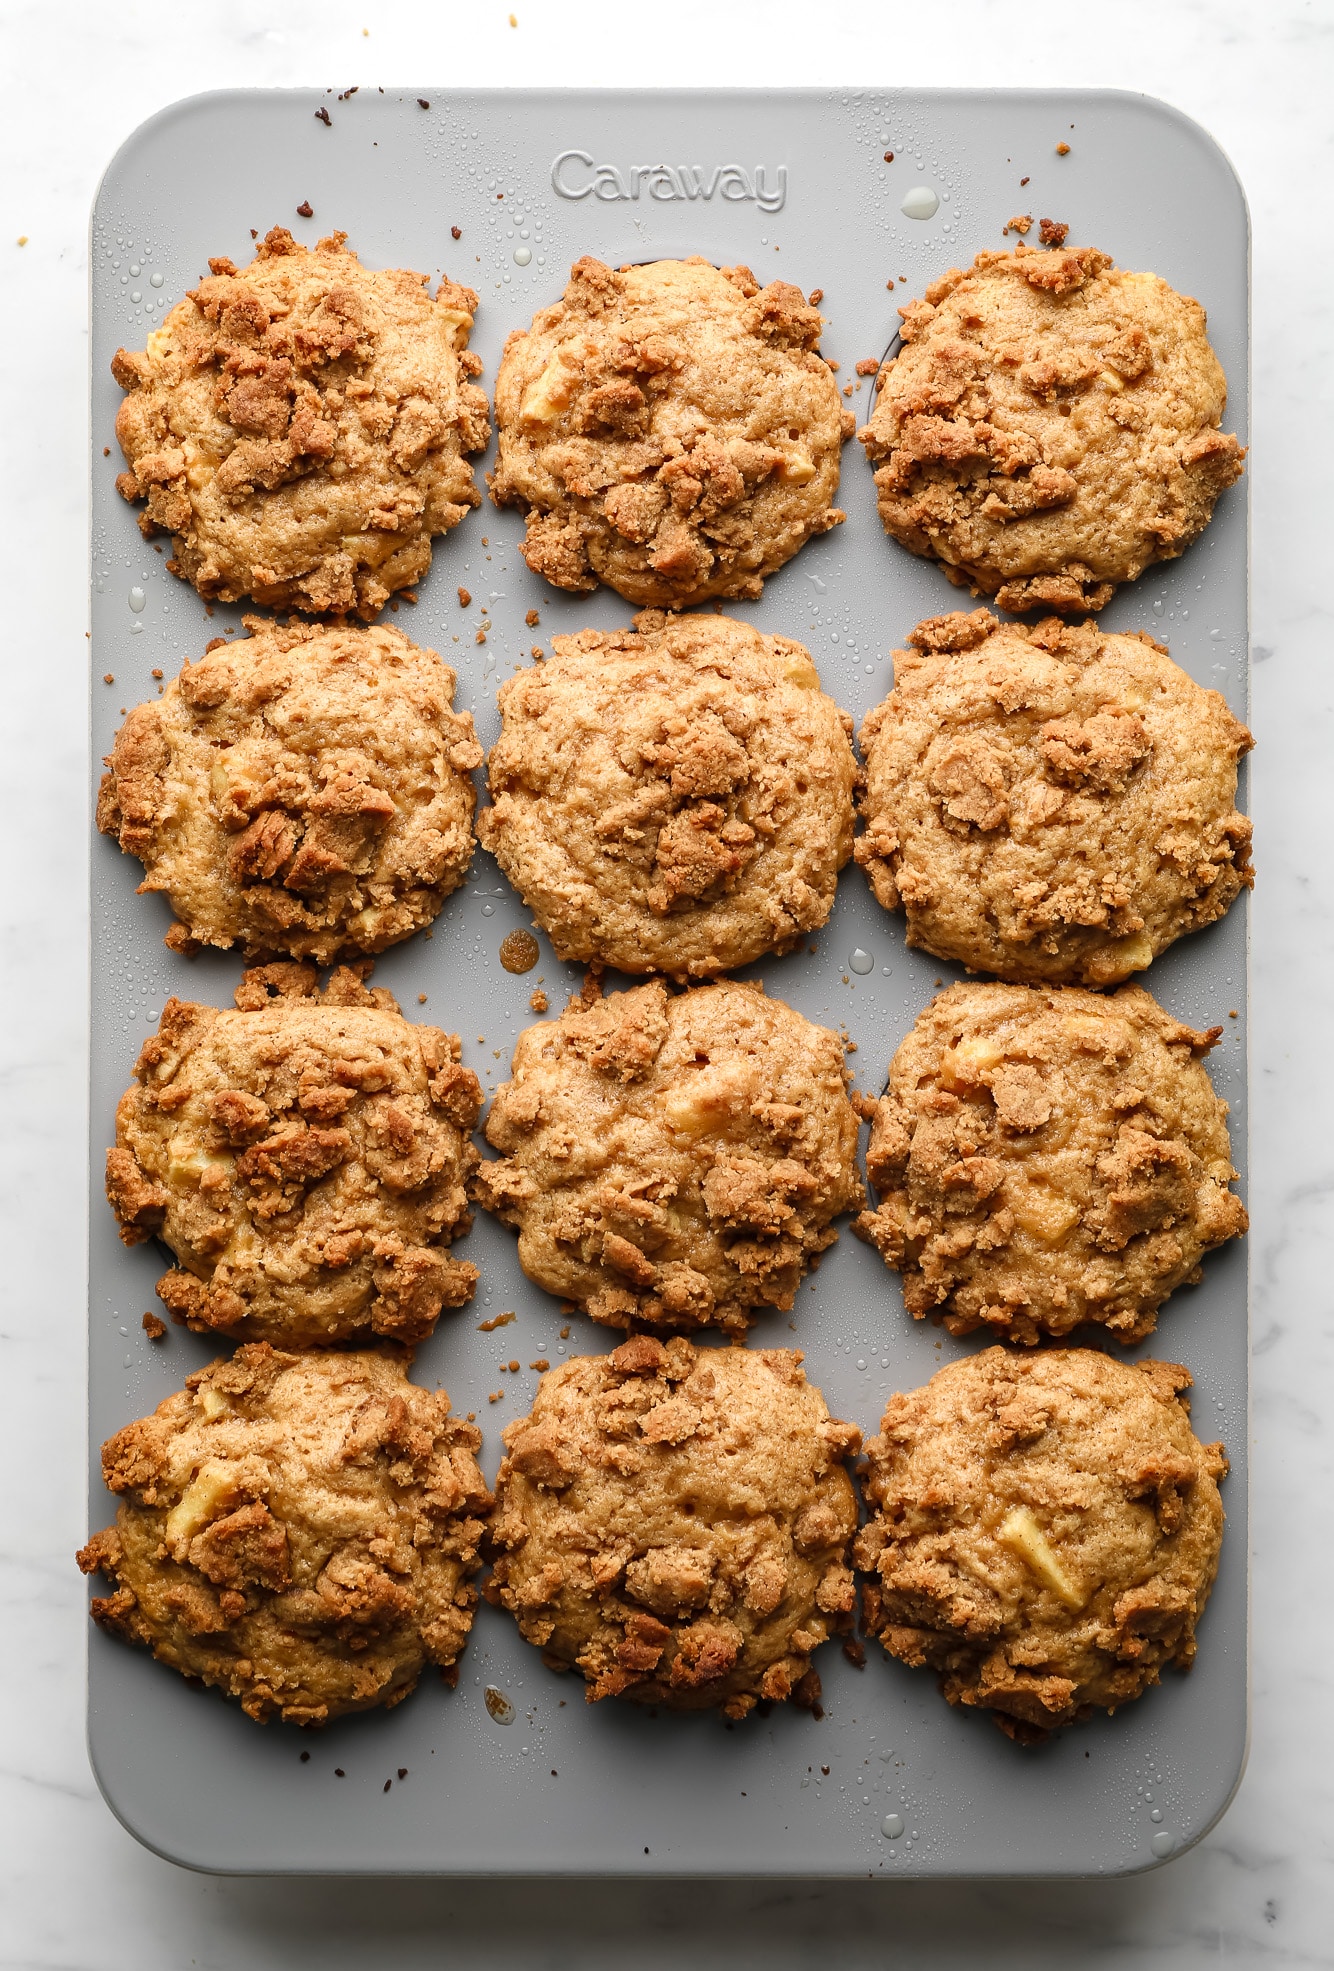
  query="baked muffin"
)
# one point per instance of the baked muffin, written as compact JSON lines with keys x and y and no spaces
{"x":1048,"y":1157}
{"x":1044,"y":1532}
{"x":304,"y":790}
{"x":1050,"y":804}
{"x":675,"y":1160}
{"x":300,"y":427}
{"x":674,"y":1524}
{"x":304,"y":1157}
{"x":1050,"y":427}
{"x":673,"y":798}
{"x":299,"y":1531}
{"x":670,"y":429}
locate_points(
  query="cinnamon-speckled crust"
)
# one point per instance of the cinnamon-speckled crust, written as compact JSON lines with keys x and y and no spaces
{"x":674,"y":1160}
{"x":1050,"y":804}
{"x":1045,"y":1157}
{"x":299,"y":1531}
{"x":676,"y":798}
{"x":674,"y":1524}
{"x":303,"y":790}
{"x":1050,"y":427}
{"x":1044,"y":1532}
{"x":305,"y":1158}
{"x":300,"y":427}
{"x":669,"y":429}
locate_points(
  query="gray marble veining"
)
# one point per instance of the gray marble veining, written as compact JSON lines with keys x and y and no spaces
{"x":78,"y":1892}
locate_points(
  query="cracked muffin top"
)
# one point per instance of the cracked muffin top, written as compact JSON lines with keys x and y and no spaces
{"x":670,"y":429}
{"x":1051,"y":803}
{"x":298,"y":1531}
{"x":1050,"y":427}
{"x":674,"y":798}
{"x":673,"y":1159}
{"x":674,"y":1524}
{"x":1048,"y":1157}
{"x":1044,"y":1532}
{"x":304,"y":1157}
{"x":299,"y":427}
{"x":303,"y":790}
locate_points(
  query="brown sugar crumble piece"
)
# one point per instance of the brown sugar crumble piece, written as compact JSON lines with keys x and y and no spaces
{"x":305,"y":210}
{"x":465,"y":598}
{"x":481,"y":636}
{"x":889,"y":157}
{"x":157,"y":673}
{"x":108,"y":677}
{"x":541,"y":1363}
{"x":538,"y":1001}
{"x":1022,"y":183}
{"x":1063,"y":150}
{"x":496,"y":1321}
{"x":456,"y":232}
{"x":867,"y":366}
{"x":1052,"y":232}
{"x":1021,"y":223}
{"x":532,"y":619}
{"x":154,"y":1326}
{"x":513,"y":1367}
{"x":495,"y":1396}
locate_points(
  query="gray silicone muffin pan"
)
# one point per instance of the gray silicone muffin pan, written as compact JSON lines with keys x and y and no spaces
{"x":795,"y":184}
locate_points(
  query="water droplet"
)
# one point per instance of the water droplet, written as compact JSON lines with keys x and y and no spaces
{"x":920,"y":203}
{"x":818,"y":583}
{"x":137,"y":600}
{"x":499,"y":1705}
{"x":155,"y":280}
{"x":861,"y":961}
{"x":892,"y":1826}
{"x":135,"y":268}
{"x":1158,"y":607}
{"x":522,"y":255}
{"x":1157,"y":1814}
{"x":861,"y":1361}
{"x":135,"y":294}
{"x":1163,"y":1844}
{"x":887,"y":1754}
{"x":129,"y":1362}
{"x":834,"y":636}
{"x":488,"y":910}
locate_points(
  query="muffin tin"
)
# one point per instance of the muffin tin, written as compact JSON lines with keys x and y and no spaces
{"x":889,"y":1782}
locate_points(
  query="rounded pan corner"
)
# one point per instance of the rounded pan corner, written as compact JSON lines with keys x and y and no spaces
{"x":158,"y":118}
{"x":1189,"y":126}
{"x":156,"y":1844}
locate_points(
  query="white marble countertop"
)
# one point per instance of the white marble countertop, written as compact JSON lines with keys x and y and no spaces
{"x":77,"y":1890}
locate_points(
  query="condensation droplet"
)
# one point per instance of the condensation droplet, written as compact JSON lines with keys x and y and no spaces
{"x":155,"y":280}
{"x":499,"y":1705}
{"x":920,"y":203}
{"x":137,"y":600}
{"x":135,"y":294}
{"x":892,"y":1826}
{"x":1157,"y":1814}
{"x":522,"y":255}
{"x":861,"y":962}
{"x":488,"y":910}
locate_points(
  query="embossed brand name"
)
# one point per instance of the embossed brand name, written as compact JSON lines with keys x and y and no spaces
{"x":575,"y":174}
